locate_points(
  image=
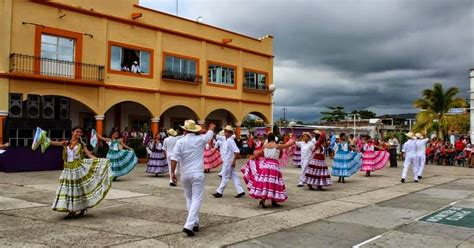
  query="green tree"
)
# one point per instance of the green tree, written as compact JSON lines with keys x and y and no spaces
{"x":335,"y":113}
{"x":434,"y":105}
{"x":365,"y":114}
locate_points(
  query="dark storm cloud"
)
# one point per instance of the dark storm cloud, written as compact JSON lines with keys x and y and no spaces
{"x":361,"y":54}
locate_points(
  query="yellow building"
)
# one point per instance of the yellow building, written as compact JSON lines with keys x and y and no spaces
{"x":114,"y":63}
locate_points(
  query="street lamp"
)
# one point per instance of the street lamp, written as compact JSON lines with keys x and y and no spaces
{"x":271,"y":89}
{"x":354,"y":117}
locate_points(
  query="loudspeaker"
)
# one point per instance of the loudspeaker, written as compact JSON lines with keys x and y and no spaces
{"x":15,"y":105}
{"x":48,"y":107}
{"x":63,"y":108}
{"x":33,"y":106}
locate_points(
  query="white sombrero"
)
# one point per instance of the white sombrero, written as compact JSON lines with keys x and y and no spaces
{"x":190,"y":126}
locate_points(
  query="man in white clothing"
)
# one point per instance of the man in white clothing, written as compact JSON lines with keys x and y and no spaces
{"x":189,"y":151}
{"x":229,"y":153}
{"x":409,"y":150}
{"x":421,"y":153}
{"x":307,"y":147}
{"x":168,"y":145}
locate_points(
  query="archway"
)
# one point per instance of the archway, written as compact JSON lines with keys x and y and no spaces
{"x":221,"y":117}
{"x":128,"y":116}
{"x":254,"y":123}
{"x":175,"y":116}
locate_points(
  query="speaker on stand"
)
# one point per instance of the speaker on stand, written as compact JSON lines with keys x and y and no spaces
{"x":47,"y":111}
{"x":33,"y":106}
{"x":15,"y":107}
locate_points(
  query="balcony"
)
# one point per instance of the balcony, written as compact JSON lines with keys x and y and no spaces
{"x":26,"y":64}
{"x":178,"y":76}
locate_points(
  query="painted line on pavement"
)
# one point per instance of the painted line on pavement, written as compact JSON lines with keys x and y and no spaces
{"x":367,"y":241}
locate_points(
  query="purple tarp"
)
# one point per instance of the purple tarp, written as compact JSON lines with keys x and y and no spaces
{"x":17,"y":159}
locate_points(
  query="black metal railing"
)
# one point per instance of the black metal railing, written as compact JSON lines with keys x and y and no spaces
{"x":174,"y":75}
{"x":55,"y":68}
{"x":253,"y":86}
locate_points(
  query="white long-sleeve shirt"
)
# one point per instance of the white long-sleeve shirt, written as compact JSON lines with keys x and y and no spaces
{"x":306,"y":149}
{"x":169,"y":144}
{"x":421,"y":147}
{"x":409,"y":148}
{"x":228,"y":150}
{"x":189,"y":151}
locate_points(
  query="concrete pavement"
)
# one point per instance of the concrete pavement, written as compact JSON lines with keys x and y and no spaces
{"x":142,"y":210}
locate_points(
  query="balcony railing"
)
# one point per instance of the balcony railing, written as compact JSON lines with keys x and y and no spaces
{"x":173,"y":75}
{"x":55,"y":68}
{"x":256,"y":87}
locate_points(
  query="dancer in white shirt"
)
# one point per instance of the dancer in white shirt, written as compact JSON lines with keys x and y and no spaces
{"x":168,"y":145}
{"x":307,"y":147}
{"x":189,"y":151}
{"x":421,"y":153}
{"x":229,"y":154}
{"x":409,"y":150}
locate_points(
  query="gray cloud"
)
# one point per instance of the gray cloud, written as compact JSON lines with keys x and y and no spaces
{"x":363,"y":54}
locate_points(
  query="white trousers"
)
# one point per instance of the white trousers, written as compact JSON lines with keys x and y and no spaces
{"x":304,"y":166}
{"x":410,"y":161}
{"x":193,"y":186}
{"x":421,"y":161}
{"x":229,"y":173}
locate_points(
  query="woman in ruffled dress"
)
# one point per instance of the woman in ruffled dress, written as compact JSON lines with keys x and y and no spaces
{"x":373,"y":160}
{"x":122,"y":160}
{"x":157,"y":163}
{"x":296,"y":156}
{"x":263,"y":176}
{"x":84,"y":183}
{"x":346,"y":161}
{"x":212,"y":157}
{"x":317,"y":173}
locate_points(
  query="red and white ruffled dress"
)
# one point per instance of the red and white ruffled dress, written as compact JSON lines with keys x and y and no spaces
{"x":373,"y":160}
{"x":212,"y":158}
{"x":317,"y":172}
{"x":264,"y":178}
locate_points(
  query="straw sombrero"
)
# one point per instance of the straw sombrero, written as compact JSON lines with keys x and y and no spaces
{"x":172,"y":132}
{"x":190,"y":126}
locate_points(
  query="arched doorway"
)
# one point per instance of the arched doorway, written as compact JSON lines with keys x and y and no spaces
{"x":221,"y":117}
{"x":128,"y":116}
{"x":175,"y":116}
{"x":254,"y":123}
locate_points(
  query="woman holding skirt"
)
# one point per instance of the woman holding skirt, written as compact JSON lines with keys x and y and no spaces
{"x":346,"y":162}
{"x":212,"y":157}
{"x":84,"y":183}
{"x":317,"y":173}
{"x":122,"y":161}
{"x":263,"y":176}
{"x":373,"y":160}
{"x":157,"y":163}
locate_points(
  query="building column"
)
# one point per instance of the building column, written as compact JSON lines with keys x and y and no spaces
{"x":471,"y":102}
{"x":99,"y":124}
{"x":3,"y":116}
{"x":268,"y":128}
{"x":238,"y":129}
{"x":155,"y":126}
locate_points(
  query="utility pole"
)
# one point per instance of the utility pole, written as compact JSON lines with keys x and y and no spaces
{"x":284,"y":115}
{"x":177,"y":8}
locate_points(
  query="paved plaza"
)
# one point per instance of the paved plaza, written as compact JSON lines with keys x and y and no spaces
{"x":142,"y":210}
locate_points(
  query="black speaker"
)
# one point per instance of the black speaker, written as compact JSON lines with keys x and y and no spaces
{"x":63,"y":108}
{"x":15,"y":105}
{"x":33,"y":106}
{"x":47,"y":111}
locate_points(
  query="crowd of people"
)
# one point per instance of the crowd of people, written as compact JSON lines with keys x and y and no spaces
{"x":193,"y":151}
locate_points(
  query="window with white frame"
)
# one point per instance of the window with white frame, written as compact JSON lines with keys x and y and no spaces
{"x":218,"y":74}
{"x":180,"y":65}
{"x":255,"y":80}
{"x":129,"y":60}
{"x":57,"y":55}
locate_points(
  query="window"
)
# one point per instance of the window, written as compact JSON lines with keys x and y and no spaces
{"x":255,"y":80}
{"x":223,"y":75}
{"x":178,"y":68}
{"x":130,"y":60}
{"x":57,"y":55}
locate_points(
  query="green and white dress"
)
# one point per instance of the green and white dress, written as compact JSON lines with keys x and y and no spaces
{"x":83,"y":183}
{"x":123,"y":161}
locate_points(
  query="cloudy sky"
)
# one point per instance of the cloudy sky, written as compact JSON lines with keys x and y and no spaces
{"x":361,"y":54}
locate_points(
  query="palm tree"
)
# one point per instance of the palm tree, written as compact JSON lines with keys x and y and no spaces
{"x":434,"y":105}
